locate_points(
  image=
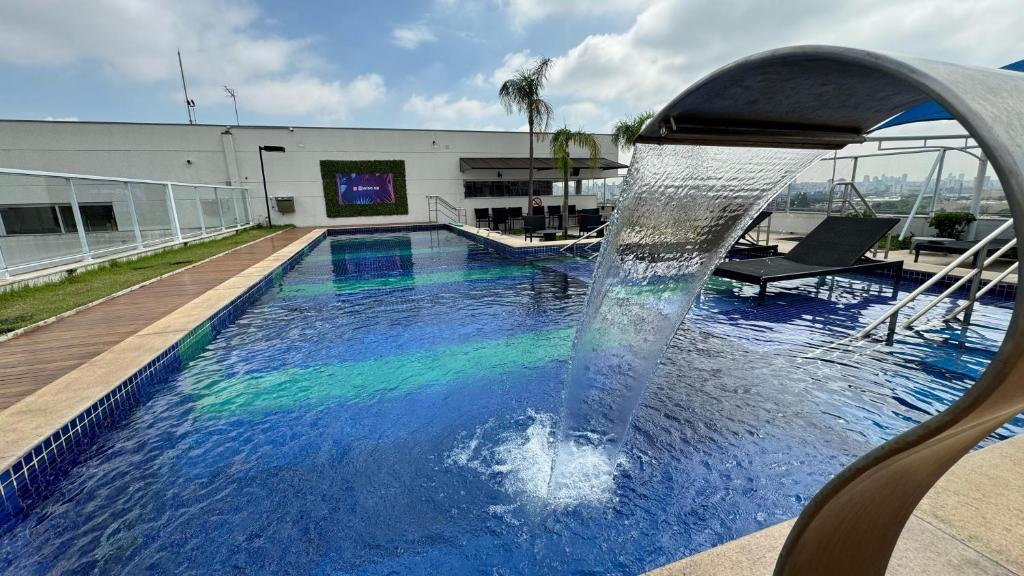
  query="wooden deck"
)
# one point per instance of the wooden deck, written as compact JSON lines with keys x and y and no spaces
{"x":37,"y":358}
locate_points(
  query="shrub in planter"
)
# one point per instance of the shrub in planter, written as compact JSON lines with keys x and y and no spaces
{"x":951,"y":224}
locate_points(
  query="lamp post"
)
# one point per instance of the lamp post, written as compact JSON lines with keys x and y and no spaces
{"x":263,"y":171}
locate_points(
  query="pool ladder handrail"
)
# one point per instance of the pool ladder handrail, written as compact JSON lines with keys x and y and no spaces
{"x":584,"y":237}
{"x":436,"y":204}
{"x":981,"y":264}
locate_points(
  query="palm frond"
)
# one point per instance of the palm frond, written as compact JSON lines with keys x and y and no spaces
{"x":626,"y":130}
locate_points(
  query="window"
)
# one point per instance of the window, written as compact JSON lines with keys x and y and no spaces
{"x":57,"y":219}
{"x":503,"y":188}
{"x":95,"y":217}
{"x":30,"y":220}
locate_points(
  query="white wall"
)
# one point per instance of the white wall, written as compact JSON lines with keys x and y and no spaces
{"x":213,"y":155}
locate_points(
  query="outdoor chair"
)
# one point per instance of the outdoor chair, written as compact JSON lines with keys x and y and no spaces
{"x":514,"y":213}
{"x":555,"y":212}
{"x":836,"y":246}
{"x":499,"y":219}
{"x":483,"y":216}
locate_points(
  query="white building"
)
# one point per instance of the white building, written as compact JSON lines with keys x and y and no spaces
{"x":437,"y":163}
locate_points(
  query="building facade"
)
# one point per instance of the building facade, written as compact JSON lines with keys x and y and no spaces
{"x":436,"y":163}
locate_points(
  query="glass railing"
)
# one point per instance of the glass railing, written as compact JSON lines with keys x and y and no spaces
{"x":50,"y":219}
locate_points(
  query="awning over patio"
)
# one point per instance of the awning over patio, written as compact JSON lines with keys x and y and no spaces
{"x":520,"y":163}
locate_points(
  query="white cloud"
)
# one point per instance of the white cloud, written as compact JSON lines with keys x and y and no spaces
{"x":61,"y":119}
{"x":327,"y":100}
{"x":673,"y":43}
{"x":584,"y":115}
{"x":523,"y":12}
{"x":442,"y":111}
{"x":412,"y":35}
{"x":510,"y":64}
{"x":136,"y":40}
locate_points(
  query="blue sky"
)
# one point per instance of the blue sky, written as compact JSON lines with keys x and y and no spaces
{"x":434,"y":63}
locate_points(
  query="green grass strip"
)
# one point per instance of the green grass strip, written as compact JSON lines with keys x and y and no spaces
{"x":25,"y":306}
{"x":383,"y":377}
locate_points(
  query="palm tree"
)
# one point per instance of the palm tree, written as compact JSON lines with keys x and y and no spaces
{"x":522,"y":93}
{"x":626,"y":130}
{"x":561,"y":141}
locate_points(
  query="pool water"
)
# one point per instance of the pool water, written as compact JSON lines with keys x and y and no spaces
{"x":389,"y":408}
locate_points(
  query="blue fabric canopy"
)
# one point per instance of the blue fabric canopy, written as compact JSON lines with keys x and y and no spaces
{"x":928,"y":111}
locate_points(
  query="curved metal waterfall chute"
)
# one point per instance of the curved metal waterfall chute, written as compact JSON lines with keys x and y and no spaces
{"x":828,"y":97}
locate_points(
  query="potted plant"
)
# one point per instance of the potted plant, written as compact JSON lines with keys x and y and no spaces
{"x":951,"y":224}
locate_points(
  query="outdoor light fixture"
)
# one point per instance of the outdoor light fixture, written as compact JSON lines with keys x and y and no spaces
{"x":263,"y":171}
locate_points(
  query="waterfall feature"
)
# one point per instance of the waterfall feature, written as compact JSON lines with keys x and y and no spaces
{"x":681,"y":209}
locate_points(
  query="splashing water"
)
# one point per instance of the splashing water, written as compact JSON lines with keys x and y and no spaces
{"x":681,"y":209}
{"x":521,"y":460}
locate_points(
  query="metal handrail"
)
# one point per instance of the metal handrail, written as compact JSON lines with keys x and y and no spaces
{"x":584,"y":237}
{"x":438,"y":203}
{"x":956,"y":285}
{"x":1002,"y":275}
{"x":21,"y":172}
{"x":891,"y":312}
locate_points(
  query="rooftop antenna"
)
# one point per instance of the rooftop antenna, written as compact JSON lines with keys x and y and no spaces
{"x":233,"y":94}
{"x":190,"y":104}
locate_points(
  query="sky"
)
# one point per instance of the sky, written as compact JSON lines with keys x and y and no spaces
{"x":436,"y":63}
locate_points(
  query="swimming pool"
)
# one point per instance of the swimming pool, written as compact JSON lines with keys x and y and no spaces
{"x":388,"y":408}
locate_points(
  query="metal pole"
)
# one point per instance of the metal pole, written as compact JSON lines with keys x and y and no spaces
{"x":266,"y":195}
{"x":175,"y":224}
{"x":135,"y":216}
{"x":202,"y":219}
{"x":938,"y":180}
{"x":979,"y":186}
{"x":920,"y":196}
{"x":79,"y":224}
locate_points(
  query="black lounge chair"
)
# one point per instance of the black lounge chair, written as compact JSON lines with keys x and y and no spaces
{"x":534,"y":226}
{"x":555,"y":212}
{"x":591,"y":222}
{"x":483,"y":216}
{"x":836,"y":246}
{"x":749,"y":247}
{"x":514,"y":213}
{"x":960,"y":247}
{"x":499,"y":219}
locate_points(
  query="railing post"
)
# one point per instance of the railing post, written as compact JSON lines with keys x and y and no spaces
{"x":3,"y":265}
{"x":938,"y":181}
{"x":979,"y":267}
{"x":234,"y":207}
{"x":199,"y":207}
{"x":135,"y":216}
{"x":175,"y":224}
{"x":220,"y":209}
{"x":79,"y":224}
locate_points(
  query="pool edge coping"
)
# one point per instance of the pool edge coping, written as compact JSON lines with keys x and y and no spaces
{"x":65,"y":400}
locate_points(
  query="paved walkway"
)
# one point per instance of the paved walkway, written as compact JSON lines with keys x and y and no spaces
{"x":37,"y":358}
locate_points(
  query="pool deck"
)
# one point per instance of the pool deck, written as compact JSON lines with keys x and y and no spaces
{"x":33,"y":360}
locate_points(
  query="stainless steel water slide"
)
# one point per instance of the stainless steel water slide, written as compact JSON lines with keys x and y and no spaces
{"x":828,"y":97}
